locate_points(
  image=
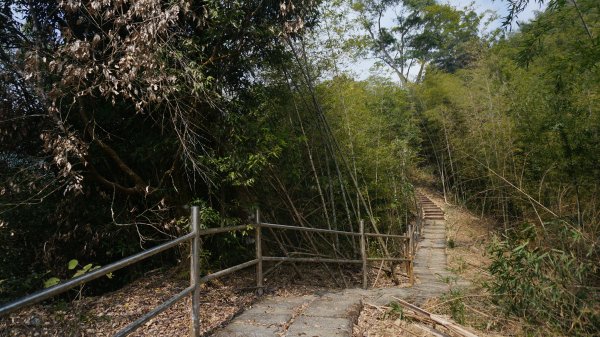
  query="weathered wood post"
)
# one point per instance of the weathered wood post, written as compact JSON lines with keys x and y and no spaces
{"x":363,"y":253}
{"x":195,"y":274}
{"x":259,"y":264}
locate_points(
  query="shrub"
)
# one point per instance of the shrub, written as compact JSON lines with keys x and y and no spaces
{"x":549,"y":287}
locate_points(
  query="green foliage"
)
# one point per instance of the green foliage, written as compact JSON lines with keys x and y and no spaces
{"x":222,"y":250}
{"x":396,"y":311}
{"x":188,"y":117}
{"x":448,"y":279}
{"x":71,"y":265}
{"x":454,"y":299}
{"x":511,"y":135}
{"x":51,"y":282}
{"x":372,"y":121}
{"x":528,"y":121}
{"x":548,"y":286}
{"x":424,"y":33}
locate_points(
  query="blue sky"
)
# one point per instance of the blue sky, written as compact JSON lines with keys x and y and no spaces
{"x":498,"y":6}
{"x":363,"y":68}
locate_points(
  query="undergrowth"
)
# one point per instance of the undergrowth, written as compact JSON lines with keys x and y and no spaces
{"x":552,"y":286}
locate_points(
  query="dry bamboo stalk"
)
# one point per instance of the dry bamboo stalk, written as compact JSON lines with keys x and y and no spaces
{"x":431,"y":330}
{"x":378,"y":273}
{"x":437,"y":319}
{"x":282,"y":247}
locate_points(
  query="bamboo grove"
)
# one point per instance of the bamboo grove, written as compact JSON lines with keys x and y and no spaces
{"x":115,"y":115}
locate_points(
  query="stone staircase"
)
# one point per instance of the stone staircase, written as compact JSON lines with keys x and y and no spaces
{"x":333,"y":314}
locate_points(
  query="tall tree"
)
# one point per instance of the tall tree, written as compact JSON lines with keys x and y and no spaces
{"x":422,"y":33}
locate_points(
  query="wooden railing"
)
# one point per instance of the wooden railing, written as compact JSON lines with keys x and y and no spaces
{"x":194,"y":237}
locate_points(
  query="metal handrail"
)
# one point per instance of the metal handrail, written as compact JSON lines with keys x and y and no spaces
{"x":195,"y":279}
{"x":308,"y":259}
{"x":409,"y":238}
{"x":70,"y":284}
{"x":331,"y":231}
{"x":154,"y":312}
{"x":306,"y":229}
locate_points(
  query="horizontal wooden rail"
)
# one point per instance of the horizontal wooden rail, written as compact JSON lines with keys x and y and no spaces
{"x":330,"y":260}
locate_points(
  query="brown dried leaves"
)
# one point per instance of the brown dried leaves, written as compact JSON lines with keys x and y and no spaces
{"x":122,"y":59}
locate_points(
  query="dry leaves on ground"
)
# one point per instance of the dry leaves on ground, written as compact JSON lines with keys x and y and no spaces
{"x":105,"y":315}
{"x":221,"y":300}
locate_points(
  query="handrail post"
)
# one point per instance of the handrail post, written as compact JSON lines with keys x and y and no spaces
{"x":363,"y":253}
{"x":409,"y":247}
{"x":195,"y":274}
{"x":259,"y":264}
{"x":419,"y":218}
{"x":411,"y":238}
{"x":411,"y":253}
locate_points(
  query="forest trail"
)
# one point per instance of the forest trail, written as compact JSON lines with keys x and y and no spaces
{"x":334,"y":313}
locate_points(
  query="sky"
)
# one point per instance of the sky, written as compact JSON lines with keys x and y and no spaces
{"x":363,"y":68}
{"x":500,"y":7}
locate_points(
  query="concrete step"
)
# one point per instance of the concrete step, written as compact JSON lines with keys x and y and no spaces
{"x":333,"y":314}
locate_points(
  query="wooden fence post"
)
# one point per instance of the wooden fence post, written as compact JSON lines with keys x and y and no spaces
{"x":195,"y":274}
{"x":259,"y":264}
{"x":363,"y":254}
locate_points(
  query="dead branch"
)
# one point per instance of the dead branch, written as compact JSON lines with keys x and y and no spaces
{"x":437,"y":319}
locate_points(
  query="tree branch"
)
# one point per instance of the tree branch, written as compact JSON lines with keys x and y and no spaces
{"x":112,"y":184}
{"x":140,"y":185}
